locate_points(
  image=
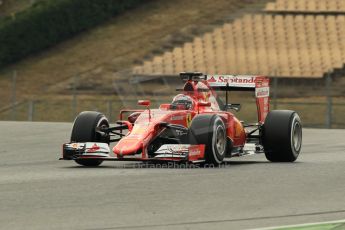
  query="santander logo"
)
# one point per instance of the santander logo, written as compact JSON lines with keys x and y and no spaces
{"x":212,"y":79}
{"x":94,"y":148}
{"x":232,"y":79}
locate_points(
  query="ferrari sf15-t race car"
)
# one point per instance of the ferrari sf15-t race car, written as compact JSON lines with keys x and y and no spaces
{"x":195,"y":127}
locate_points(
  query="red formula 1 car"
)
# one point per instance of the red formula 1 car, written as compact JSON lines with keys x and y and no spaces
{"x":195,"y":127}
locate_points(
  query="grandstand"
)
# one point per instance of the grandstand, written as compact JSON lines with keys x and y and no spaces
{"x":307,"y":6}
{"x":284,"y":45}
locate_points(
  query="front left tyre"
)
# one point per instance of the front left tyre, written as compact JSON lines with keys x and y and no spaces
{"x":209,"y":129}
{"x":84,"y":130}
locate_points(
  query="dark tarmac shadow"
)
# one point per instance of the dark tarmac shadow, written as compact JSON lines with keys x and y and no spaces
{"x":261,"y":162}
{"x":169,"y":165}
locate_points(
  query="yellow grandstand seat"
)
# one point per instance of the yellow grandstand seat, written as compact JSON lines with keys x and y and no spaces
{"x":157,"y":64}
{"x":168,"y":63}
{"x":313,"y":6}
{"x":178,"y":60}
{"x":270,"y":6}
{"x":188,"y":57}
{"x":198,"y":54}
{"x":209,"y":53}
{"x":321,"y":5}
{"x":332,"y":5}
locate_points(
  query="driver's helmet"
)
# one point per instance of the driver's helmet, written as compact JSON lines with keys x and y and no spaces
{"x":181,"y":101}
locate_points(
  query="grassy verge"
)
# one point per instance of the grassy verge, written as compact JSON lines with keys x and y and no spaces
{"x":321,"y":226}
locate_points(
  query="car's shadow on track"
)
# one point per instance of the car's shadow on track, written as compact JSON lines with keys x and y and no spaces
{"x":259,"y":162}
{"x":169,"y":165}
{"x":244,"y":162}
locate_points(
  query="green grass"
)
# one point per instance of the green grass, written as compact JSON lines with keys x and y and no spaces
{"x":326,"y":226}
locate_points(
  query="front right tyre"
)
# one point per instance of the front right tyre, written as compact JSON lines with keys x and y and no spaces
{"x":84,"y":130}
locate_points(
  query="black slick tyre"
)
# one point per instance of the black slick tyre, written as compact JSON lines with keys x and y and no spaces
{"x":209,"y":129}
{"x":282,"y":136}
{"x":84,"y":130}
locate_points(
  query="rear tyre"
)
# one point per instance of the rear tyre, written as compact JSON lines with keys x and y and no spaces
{"x":282,"y":136}
{"x":84,"y":130}
{"x":209,"y":129}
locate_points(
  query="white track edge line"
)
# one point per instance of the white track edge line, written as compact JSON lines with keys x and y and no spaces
{"x":300,"y":225}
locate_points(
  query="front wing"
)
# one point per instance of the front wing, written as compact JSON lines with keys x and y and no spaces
{"x":101,"y":151}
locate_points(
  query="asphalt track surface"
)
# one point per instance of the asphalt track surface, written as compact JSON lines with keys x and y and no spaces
{"x":39,"y":192}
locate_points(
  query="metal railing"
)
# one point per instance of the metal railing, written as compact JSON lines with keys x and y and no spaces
{"x":324,"y":111}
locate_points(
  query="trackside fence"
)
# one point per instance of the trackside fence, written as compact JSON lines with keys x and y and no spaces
{"x":313,"y":114}
{"x":322,"y":111}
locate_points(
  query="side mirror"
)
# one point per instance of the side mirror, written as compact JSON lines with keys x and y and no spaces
{"x":236,"y":107}
{"x":204,"y":104}
{"x":147,"y":104}
{"x":133,"y":117}
{"x":144,"y":102}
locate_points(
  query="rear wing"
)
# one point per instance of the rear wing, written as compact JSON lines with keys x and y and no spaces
{"x":258,"y":84}
{"x":236,"y":82}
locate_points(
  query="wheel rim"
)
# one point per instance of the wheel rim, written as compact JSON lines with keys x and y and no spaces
{"x":220,"y":140}
{"x":297,"y":136}
{"x":102,"y":123}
